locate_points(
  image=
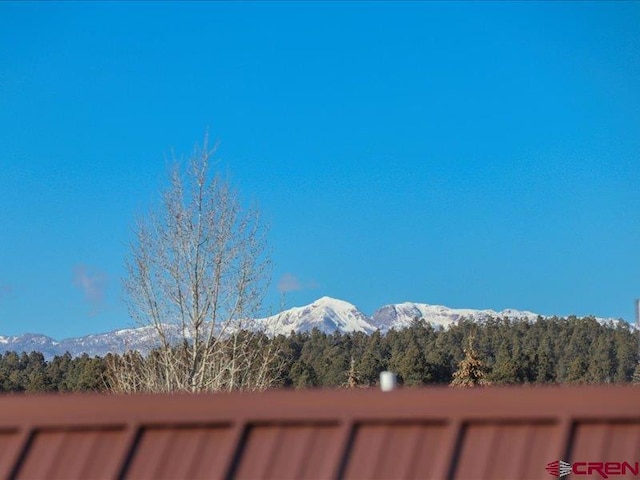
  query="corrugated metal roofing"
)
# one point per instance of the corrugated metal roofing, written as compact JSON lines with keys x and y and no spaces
{"x":429,"y":433}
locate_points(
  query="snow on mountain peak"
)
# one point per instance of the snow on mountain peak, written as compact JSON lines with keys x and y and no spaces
{"x":326,"y":314}
{"x":400,"y":315}
{"x":333,"y":303}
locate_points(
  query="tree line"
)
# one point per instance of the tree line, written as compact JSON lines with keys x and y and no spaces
{"x":547,"y":351}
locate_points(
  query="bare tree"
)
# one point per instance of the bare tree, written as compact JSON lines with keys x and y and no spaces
{"x":197,"y":273}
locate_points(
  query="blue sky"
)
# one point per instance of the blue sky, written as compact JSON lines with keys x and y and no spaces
{"x":476,"y":155}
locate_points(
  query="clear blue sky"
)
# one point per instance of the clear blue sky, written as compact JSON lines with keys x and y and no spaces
{"x":476,"y":155}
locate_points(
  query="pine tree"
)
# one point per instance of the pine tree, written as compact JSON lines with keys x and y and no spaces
{"x":373,"y":359}
{"x":303,"y":375}
{"x":577,"y":371}
{"x":352,"y":376}
{"x":409,"y":361}
{"x":471,"y":370}
{"x":544,"y":361}
{"x":636,"y":375}
{"x":626,"y":352}
{"x":601,"y":368}
{"x":505,"y":368}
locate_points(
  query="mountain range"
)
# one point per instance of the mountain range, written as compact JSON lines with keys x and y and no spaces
{"x":326,"y":314}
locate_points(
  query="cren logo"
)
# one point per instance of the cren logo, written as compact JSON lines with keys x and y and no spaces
{"x":604,"y":469}
{"x":559,"y":468}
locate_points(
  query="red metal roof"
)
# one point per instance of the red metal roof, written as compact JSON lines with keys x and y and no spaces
{"x":427,"y":433}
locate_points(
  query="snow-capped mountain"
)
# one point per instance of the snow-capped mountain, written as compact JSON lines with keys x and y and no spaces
{"x":142,"y":339}
{"x":29,"y":342}
{"x":400,"y":315}
{"x":326,"y":314}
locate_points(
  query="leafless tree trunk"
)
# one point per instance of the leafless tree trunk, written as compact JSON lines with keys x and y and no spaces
{"x":197,"y":272}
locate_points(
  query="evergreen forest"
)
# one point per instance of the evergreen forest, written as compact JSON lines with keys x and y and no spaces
{"x":547,"y":351}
